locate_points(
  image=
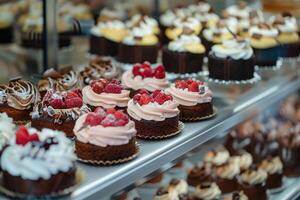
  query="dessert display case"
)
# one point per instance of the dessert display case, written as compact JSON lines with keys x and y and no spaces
{"x":234,"y":102}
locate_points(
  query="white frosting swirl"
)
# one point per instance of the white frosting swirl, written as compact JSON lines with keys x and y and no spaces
{"x":210,"y":193}
{"x":152,"y":111}
{"x":7,"y":129}
{"x":187,"y":98}
{"x":273,"y":166}
{"x":167,"y":19}
{"x":148,"y":21}
{"x":228,"y":171}
{"x":181,"y":187}
{"x":245,"y":160}
{"x":271,"y":32}
{"x":103,"y":136}
{"x":234,"y":49}
{"x":203,"y":7}
{"x":237,"y":11}
{"x":32,"y":162}
{"x":137,"y":82}
{"x":254,"y":177}
{"x":191,"y":23}
{"x":217,"y":157}
{"x":180,"y":43}
{"x":209,"y":33}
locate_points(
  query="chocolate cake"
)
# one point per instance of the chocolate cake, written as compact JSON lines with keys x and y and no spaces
{"x":102,"y":46}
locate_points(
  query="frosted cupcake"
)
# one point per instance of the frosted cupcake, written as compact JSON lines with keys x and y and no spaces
{"x":274,"y":168}
{"x":207,"y":191}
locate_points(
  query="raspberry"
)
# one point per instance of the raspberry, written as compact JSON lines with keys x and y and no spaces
{"x":146,"y":65}
{"x":100,"y":111}
{"x":136,"y":70}
{"x":93,"y":119}
{"x":143,"y":91}
{"x":120,"y":122}
{"x":22,"y":135}
{"x":147,"y":72}
{"x":193,"y":87}
{"x":161,"y":98}
{"x":110,"y":111}
{"x":113,"y":88}
{"x":181,"y":84}
{"x":109,"y":120}
{"x":160,"y":72}
{"x":155,"y":93}
{"x":97,"y":86}
{"x":115,"y":81}
{"x":137,"y":97}
{"x":119,"y":115}
{"x":190,"y":81}
{"x":145,"y":99}
{"x":75,"y":102}
{"x":71,"y":95}
{"x":34,"y":137}
{"x":57,"y":104}
{"x":103,"y":81}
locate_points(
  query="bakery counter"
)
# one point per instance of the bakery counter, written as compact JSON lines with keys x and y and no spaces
{"x":105,"y":181}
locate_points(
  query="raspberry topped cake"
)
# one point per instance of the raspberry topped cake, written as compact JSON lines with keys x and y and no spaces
{"x":106,"y":94}
{"x":155,"y":114}
{"x":105,"y":137}
{"x":59,"y":111}
{"x":17,"y":99}
{"x":39,"y":163}
{"x":194,"y":99}
{"x":143,"y":76}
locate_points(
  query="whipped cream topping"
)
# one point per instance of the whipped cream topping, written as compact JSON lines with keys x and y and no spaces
{"x":228,"y":171}
{"x":244,"y":160}
{"x":202,"y":7}
{"x":235,"y":49}
{"x":137,"y":82}
{"x":105,"y":100}
{"x":272,"y":166}
{"x":254,"y":177}
{"x":7,"y":129}
{"x":210,"y":33}
{"x":182,"y":41}
{"x":167,"y":18}
{"x":265,"y":32}
{"x":180,"y":186}
{"x":165,"y":194}
{"x":19,"y":94}
{"x":152,"y":111}
{"x":111,"y":24}
{"x":103,"y":136}
{"x":238,"y":11}
{"x":218,"y":157}
{"x":190,"y":22}
{"x":206,"y":17}
{"x":137,"y":19}
{"x":208,"y":193}
{"x":34,"y":162}
{"x":137,"y":33}
{"x":187,"y":98}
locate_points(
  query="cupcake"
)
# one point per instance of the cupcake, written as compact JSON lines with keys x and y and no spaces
{"x":200,"y":174}
{"x":99,"y":68}
{"x":106,"y":36}
{"x":207,"y":19}
{"x":141,"y":44}
{"x":164,"y":194}
{"x":106,"y":94}
{"x":244,"y":160}
{"x":153,"y":112}
{"x":252,"y":182}
{"x":236,"y":196}
{"x":63,"y":80}
{"x":7,"y":131}
{"x":17,"y":99}
{"x":255,"y":17}
{"x":184,"y":54}
{"x":288,"y":35}
{"x":105,"y":137}
{"x":179,"y":186}
{"x":231,"y":60}
{"x":226,"y":175}
{"x":207,"y":191}
{"x":52,"y":156}
{"x":274,"y":168}
{"x":148,"y":21}
{"x":6,"y":25}
{"x":264,"y":41}
{"x":194,"y":99}
{"x":217,"y":157}
{"x":143,"y":76}
{"x":59,"y":111}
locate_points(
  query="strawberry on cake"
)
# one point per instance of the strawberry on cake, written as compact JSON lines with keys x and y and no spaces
{"x":59,"y":111}
{"x":143,"y":76}
{"x":105,"y":137}
{"x":155,"y":115}
{"x":106,"y":94}
{"x":194,"y":99}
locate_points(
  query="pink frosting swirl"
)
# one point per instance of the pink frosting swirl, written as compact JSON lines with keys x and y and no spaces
{"x":105,"y":100}
{"x":152,"y":111}
{"x":103,"y":136}
{"x":187,"y":98}
{"x":137,"y":82}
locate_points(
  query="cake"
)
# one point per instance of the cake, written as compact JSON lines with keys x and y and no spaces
{"x":264,"y":41}
{"x":184,"y":54}
{"x":7,"y":131}
{"x":52,"y":156}
{"x":6,"y":25}
{"x":106,"y":36}
{"x":200,"y":174}
{"x":288,"y":35}
{"x":207,"y":191}
{"x":274,"y":167}
{"x":231,"y":60}
{"x":63,"y":80}
{"x":17,"y":99}
{"x":144,"y":76}
{"x":59,"y":111}
{"x":153,"y":112}
{"x":194,"y":99}
{"x":236,"y":196}
{"x":105,"y":137}
{"x":141,"y":44}
{"x":217,"y":157}
{"x":226,"y":176}
{"x":253,"y":183}
{"x":244,"y":160}
{"x":99,"y":68}
{"x":106,"y":94}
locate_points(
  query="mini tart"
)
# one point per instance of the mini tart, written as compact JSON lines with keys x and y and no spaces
{"x":185,"y":54}
{"x":17,"y":99}
{"x":155,"y":115}
{"x":232,"y":60}
{"x":105,"y":137}
{"x":194,"y":99}
{"x":59,"y":111}
{"x":274,"y":168}
{"x":51,"y":154}
{"x":199,"y":174}
{"x":144,"y":76}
